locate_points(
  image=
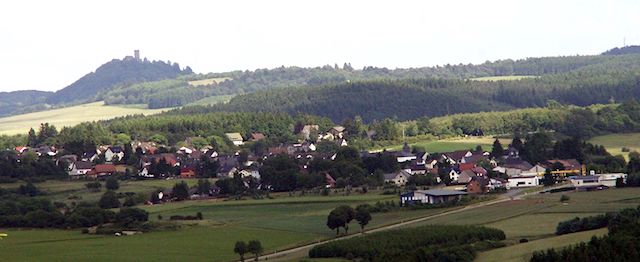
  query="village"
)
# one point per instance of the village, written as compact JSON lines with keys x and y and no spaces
{"x":425,"y":178}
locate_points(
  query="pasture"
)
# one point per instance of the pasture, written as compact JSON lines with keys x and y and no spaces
{"x":68,"y":116}
{"x":502,"y":78}
{"x":615,"y":142}
{"x":279,"y":223}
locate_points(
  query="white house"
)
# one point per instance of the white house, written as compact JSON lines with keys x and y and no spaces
{"x":80,"y":168}
{"x":399,"y":178}
{"x":524,"y":181}
{"x":453,"y":175}
{"x":113,"y":152}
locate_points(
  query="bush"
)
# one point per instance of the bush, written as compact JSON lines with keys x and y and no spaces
{"x":112,"y":183}
{"x":583,"y":224}
{"x":109,"y":200}
{"x":564,"y":198}
{"x":93,"y":186}
{"x":130,"y":216}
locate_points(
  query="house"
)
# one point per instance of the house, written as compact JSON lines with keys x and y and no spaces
{"x":454,"y":175}
{"x":523,"y":181}
{"x":104,"y":170}
{"x":66,"y":161}
{"x":433,"y":196}
{"x":80,"y":168}
{"x":399,"y":178}
{"x":342,"y":142}
{"x":184,"y":150}
{"x":456,"y":156}
{"x":405,"y":155}
{"x":89,"y":156}
{"x":187,"y":172}
{"x":236,"y":138}
{"x":337,"y":131}
{"x":113,"y":152}
{"x":417,"y":169}
{"x":121,"y":169}
{"x":21,"y":149}
{"x":466,"y":175}
{"x":483,"y":184}
{"x":45,"y":150}
{"x":256,"y":137}
{"x":517,"y":166}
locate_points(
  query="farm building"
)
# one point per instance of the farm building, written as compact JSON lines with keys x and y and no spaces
{"x":433,"y":196}
{"x":524,"y":181}
{"x":236,"y":138}
{"x":608,"y":180}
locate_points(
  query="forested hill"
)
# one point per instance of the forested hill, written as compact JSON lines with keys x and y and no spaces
{"x":22,"y":101}
{"x":114,"y":73}
{"x":633,"y":49}
{"x":608,"y":81}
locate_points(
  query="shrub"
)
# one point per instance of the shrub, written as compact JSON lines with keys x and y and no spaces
{"x":564,"y":198}
{"x":109,"y":200}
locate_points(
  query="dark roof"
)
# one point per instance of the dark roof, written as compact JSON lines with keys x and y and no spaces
{"x":83,"y":165}
{"x":456,"y":155}
{"x":441,"y":192}
{"x":116,"y":149}
{"x":516,"y":163}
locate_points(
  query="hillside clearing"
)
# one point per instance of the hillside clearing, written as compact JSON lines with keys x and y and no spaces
{"x":449,"y":145}
{"x":208,"y":81}
{"x":69,"y":116}
{"x":501,"y":78}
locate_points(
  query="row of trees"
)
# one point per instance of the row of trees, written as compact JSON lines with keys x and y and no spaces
{"x":254,"y":247}
{"x":343,"y":215}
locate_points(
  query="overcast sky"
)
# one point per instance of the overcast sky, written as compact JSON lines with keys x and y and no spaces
{"x":47,"y":45}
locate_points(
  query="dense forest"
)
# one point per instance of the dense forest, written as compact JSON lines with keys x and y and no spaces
{"x":606,"y":82}
{"x":158,"y":94}
{"x":116,"y":72}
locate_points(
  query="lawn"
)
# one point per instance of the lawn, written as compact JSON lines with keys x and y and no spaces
{"x":68,"y":116}
{"x":501,"y":78}
{"x":279,"y":223}
{"x":615,"y":142}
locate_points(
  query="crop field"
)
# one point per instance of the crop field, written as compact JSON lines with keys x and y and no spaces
{"x":501,"y":78}
{"x":279,"y":223}
{"x":68,"y":116}
{"x":449,"y":145}
{"x":536,"y":217}
{"x":208,"y":81}
{"x":615,"y":142}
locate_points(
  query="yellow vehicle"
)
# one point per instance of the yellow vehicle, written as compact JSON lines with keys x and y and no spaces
{"x":3,"y":235}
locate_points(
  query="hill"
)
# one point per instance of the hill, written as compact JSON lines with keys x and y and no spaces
{"x":68,"y":116}
{"x":633,"y":49}
{"x":22,"y":101}
{"x":116,"y":72}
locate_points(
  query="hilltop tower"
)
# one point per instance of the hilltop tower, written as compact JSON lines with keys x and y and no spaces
{"x":136,"y":54}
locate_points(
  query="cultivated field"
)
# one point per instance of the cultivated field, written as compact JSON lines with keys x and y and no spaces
{"x":501,"y":78}
{"x":279,"y":223}
{"x":68,"y":116}
{"x":208,"y":81}
{"x":615,"y":142}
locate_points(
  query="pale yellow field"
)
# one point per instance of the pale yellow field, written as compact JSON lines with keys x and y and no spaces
{"x":208,"y":81}
{"x":500,"y":78}
{"x":68,"y":116}
{"x":615,"y":142}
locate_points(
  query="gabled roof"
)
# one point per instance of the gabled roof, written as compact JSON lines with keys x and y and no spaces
{"x":441,"y":192}
{"x":116,"y":149}
{"x":105,"y":168}
{"x":83,"y":165}
{"x":516,"y":163}
{"x":391,"y":176}
{"x":456,"y":155}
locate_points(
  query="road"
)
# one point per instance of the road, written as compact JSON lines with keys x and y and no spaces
{"x":295,"y":253}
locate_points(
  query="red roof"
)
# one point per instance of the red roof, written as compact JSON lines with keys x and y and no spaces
{"x":257,"y":136}
{"x":105,"y":168}
{"x":466,"y":166}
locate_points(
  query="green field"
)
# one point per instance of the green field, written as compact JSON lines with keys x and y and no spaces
{"x":211,"y":100}
{"x":279,"y":223}
{"x":68,"y":116}
{"x":615,"y":142}
{"x":536,"y":217}
{"x":501,"y":78}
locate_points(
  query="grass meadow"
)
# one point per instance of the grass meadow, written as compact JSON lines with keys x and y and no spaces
{"x":615,"y":142}
{"x":68,"y":116}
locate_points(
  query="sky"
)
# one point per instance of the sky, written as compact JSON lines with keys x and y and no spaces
{"x":47,"y":45}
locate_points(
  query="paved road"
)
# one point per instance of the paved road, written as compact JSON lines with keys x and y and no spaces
{"x":286,"y":254}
